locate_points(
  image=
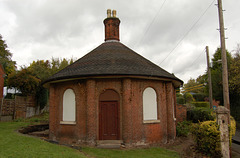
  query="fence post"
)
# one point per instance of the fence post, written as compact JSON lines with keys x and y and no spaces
{"x":222,"y":121}
{"x":1,"y":105}
{"x":14,"y":108}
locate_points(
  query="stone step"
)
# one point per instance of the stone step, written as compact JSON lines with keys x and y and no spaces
{"x":109,"y":144}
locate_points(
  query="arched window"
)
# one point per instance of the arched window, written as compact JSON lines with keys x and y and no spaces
{"x":69,"y":106}
{"x":149,"y":104}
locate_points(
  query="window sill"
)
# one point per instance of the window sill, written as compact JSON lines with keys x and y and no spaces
{"x":67,"y":122}
{"x":151,"y":121}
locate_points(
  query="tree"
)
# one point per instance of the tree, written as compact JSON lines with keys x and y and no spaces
{"x":25,"y":81}
{"x":44,"y":69}
{"x":234,"y":84}
{"x":5,"y":58}
{"x":28,"y":79}
{"x":188,"y":97}
{"x":216,"y":73}
{"x":58,"y":64}
{"x":234,"y":72}
{"x":41,"y":69}
{"x":195,"y":86}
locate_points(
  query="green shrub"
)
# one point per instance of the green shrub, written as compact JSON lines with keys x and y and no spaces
{"x":232,"y":129}
{"x":44,"y":117}
{"x":201,"y":104}
{"x":179,"y":95}
{"x":199,"y":96}
{"x":42,"y":97}
{"x":207,"y":138}
{"x":188,"y":97}
{"x":183,"y":128}
{"x":180,"y":100}
{"x":19,"y":120}
{"x":199,"y":115}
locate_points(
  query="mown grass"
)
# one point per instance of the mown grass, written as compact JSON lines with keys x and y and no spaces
{"x":16,"y":145}
{"x":131,"y":153}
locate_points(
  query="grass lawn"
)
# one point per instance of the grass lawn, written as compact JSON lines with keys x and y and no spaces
{"x":133,"y":153}
{"x":14,"y":145}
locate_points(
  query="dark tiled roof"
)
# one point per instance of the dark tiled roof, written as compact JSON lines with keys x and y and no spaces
{"x":111,"y":58}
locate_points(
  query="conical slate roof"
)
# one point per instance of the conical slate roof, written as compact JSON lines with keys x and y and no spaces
{"x":112,"y":58}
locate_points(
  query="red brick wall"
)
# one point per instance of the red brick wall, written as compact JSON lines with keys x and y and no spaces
{"x":59,"y":131}
{"x":92,"y":115}
{"x":171,"y":128}
{"x":148,"y":132}
{"x":132,"y":129}
{"x":53,"y":110}
{"x":127,"y":110}
{"x":181,"y":113}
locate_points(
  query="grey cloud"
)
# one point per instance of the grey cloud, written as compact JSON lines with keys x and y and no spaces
{"x":58,"y":28}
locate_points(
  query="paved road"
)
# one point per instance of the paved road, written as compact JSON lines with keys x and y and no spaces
{"x":236,"y":145}
{"x":235,"y":150}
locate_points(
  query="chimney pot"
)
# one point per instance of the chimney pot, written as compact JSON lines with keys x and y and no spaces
{"x":109,"y":13}
{"x":114,"y":13}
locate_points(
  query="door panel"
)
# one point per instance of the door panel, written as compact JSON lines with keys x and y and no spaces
{"x":108,"y":120}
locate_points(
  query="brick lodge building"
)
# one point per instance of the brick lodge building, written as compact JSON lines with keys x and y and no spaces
{"x":112,"y":93}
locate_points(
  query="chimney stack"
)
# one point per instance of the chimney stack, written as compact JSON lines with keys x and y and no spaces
{"x":111,"y":26}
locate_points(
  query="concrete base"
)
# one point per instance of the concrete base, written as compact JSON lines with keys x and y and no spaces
{"x":109,"y":144}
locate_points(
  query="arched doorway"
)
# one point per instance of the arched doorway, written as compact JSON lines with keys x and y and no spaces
{"x":109,"y":115}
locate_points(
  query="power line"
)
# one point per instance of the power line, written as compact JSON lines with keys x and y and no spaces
{"x":188,"y":31}
{"x":199,"y":85}
{"x":198,"y":57}
{"x":190,"y":90}
{"x":151,"y":23}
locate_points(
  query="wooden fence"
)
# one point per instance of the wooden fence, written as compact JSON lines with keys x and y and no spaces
{"x":20,"y":107}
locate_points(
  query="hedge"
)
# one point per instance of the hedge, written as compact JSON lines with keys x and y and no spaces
{"x":199,"y":114}
{"x":180,"y":100}
{"x":188,"y":97}
{"x":207,"y":136}
{"x":183,"y":128}
{"x":201,"y":104}
{"x":199,"y":96}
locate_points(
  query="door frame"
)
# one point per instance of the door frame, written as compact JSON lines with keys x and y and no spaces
{"x":118,"y":120}
{"x":110,"y":95}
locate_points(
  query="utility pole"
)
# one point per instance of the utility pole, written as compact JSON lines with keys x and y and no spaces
{"x":224,"y":58}
{"x":209,"y":78}
{"x":224,"y":133}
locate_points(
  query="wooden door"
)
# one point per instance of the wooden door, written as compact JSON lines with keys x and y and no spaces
{"x":108,"y":120}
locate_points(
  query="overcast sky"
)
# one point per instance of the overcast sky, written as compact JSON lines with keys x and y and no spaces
{"x":171,"y":33}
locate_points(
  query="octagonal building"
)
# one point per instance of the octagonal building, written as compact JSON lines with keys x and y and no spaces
{"x":112,"y":94}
